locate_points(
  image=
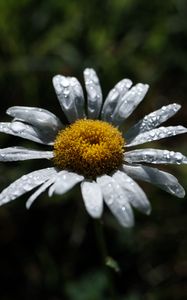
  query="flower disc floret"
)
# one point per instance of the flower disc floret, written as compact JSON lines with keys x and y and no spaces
{"x":89,"y":147}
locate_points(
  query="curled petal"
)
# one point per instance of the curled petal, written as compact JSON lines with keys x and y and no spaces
{"x":25,"y":184}
{"x":20,"y":153}
{"x":156,"y":134}
{"x":152,"y":120}
{"x":114,"y":96}
{"x":163,"y":180}
{"x":128,"y":103}
{"x":70,"y":95}
{"x":155,"y":156}
{"x":94,"y":93}
{"x":133,"y":191}
{"x":116,"y":200}
{"x":43,"y":120}
{"x":92,"y":197}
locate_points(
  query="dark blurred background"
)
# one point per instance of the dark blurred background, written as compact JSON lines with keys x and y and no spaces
{"x":51,"y":252}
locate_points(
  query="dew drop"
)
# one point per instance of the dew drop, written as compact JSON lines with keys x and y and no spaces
{"x":26,"y":187}
{"x":17,"y":127}
{"x":64,"y":82}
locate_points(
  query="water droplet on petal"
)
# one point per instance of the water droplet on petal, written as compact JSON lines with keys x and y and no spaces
{"x":17,"y":127}
{"x":26,"y":187}
{"x":64,"y":82}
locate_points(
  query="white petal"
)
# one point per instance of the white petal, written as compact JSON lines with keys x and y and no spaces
{"x":155,"y":156}
{"x":153,"y":120}
{"x":24,"y":131}
{"x":70,"y":95}
{"x":163,"y":180}
{"x":134,"y":193}
{"x":156,"y":134}
{"x":114,"y":96}
{"x":64,"y":182}
{"x":129,"y":102}
{"x":46,"y":122}
{"x":94,"y":93}
{"x":92,"y":197}
{"x":116,"y":200}
{"x":25,"y":184}
{"x":20,"y":153}
{"x":39,"y":191}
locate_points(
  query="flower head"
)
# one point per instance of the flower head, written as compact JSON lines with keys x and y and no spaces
{"x":92,"y":150}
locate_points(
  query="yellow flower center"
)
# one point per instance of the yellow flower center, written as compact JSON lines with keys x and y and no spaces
{"x":89,"y":147}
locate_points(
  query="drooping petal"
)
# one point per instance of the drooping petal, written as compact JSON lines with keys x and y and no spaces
{"x":39,"y":191}
{"x":45,"y":122}
{"x":20,"y":153}
{"x":64,"y":182}
{"x":24,"y":131}
{"x":128,"y":103}
{"x":155,"y":156}
{"x":70,"y":95}
{"x":152,"y":120}
{"x":94,"y":93}
{"x":25,"y":184}
{"x":133,"y":191}
{"x":114,"y":96}
{"x":163,"y":180}
{"x":92,"y":198}
{"x":156,"y":134}
{"x":116,"y":200}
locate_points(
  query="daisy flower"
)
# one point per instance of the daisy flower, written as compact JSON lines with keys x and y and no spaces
{"x":92,"y":150}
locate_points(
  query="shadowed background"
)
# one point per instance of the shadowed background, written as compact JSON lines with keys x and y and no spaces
{"x":50,"y":252}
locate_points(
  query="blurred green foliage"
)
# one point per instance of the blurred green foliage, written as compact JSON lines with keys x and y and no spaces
{"x":51,"y":252}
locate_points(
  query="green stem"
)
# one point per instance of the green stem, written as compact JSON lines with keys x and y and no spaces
{"x":104,"y":256}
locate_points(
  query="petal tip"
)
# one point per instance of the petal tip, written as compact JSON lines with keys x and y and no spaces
{"x":28,"y":205}
{"x":9,"y":111}
{"x":148,"y":211}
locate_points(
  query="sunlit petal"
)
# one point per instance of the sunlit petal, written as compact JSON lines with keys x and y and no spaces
{"x":70,"y":95}
{"x":116,"y":200}
{"x":25,"y":184}
{"x":92,"y":198}
{"x":163,"y":180}
{"x":94,"y":93}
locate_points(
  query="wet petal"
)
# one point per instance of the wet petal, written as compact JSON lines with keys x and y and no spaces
{"x":25,"y":184}
{"x":39,"y":191}
{"x":116,"y":200}
{"x":25,"y":131}
{"x":156,"y":134}
{"x":114,"y":96}
{"x":45,"y":122}
{"x":133,"y":191}
{"x":128,"y":103}
{"x":155,"y":156}
{"x":94,"y":93}
{"x":20,"y":153}
{"x":163,"y":180}
{"x":153,"y":120}
{"x":70,"y":95}
{"x":92,"y":197}
{"x":64,"y":182}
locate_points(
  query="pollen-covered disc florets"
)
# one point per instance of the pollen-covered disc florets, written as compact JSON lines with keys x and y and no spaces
{"x":89,"y":147}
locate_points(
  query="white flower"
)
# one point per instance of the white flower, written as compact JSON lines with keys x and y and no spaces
{"x":94,"y":152}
